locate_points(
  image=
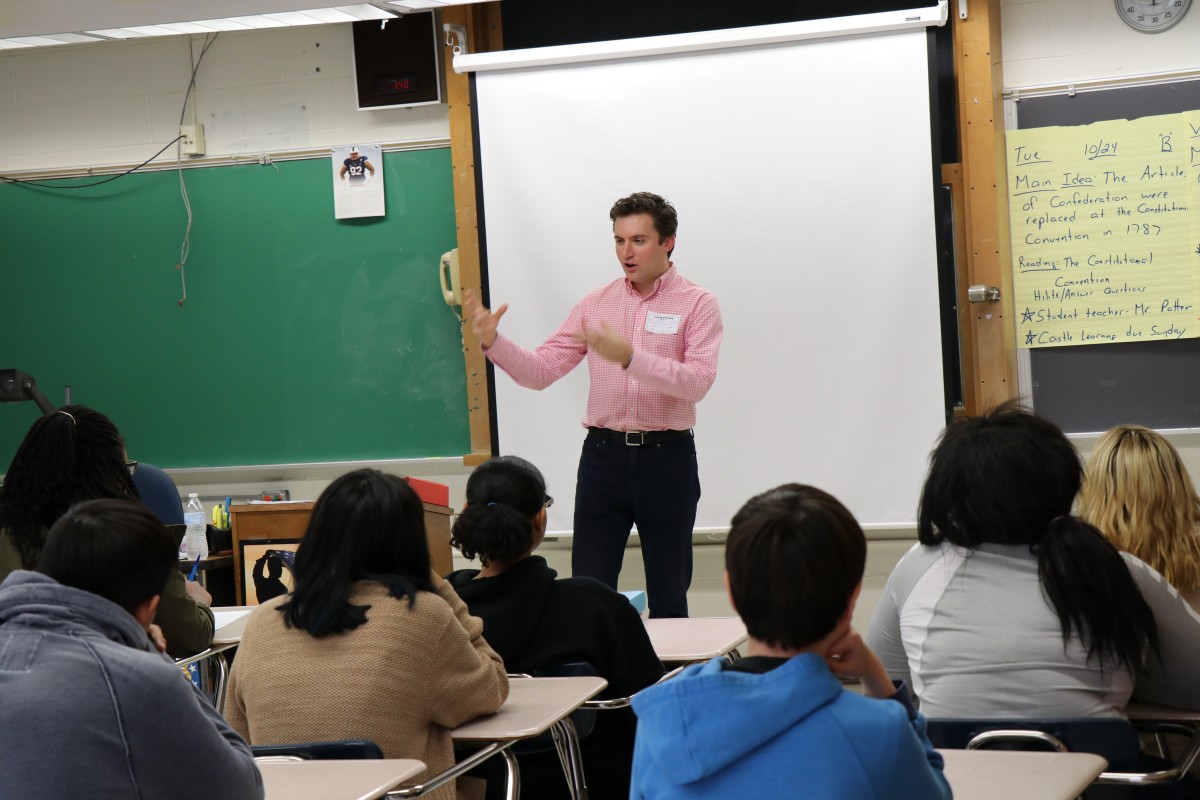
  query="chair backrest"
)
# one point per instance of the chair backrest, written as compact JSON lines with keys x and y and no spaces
{"x":344,"y":749}
{"x":583,"y":719}
{"x":159,"y":493}
{"x":1113,"y":738}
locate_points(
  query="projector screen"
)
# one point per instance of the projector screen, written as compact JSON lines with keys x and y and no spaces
{"x":803,"y":176}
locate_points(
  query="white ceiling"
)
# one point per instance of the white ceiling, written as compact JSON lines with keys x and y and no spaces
{"x":45,"y":17}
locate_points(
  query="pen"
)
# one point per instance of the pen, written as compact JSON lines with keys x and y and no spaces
{"x":195,"y":566}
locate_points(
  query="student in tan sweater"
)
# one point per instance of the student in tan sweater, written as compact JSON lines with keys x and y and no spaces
{"x":371,"y":644}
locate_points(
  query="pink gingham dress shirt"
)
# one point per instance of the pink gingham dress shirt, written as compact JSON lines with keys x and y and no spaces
{"x":670,"y":371}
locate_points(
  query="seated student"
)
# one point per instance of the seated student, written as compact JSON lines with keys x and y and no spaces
{"x":77,"y":454}
{"x":90,"y":707}
{"x":1137,"y":492}
{"x":778,"y":723}
{"x":1010,"y":607}
{"x":371,"y":644}
{"x":536,"y":621}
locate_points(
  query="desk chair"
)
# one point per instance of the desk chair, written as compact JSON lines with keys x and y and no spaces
{"x":159,"y":493}
{"x":1113,"y":738}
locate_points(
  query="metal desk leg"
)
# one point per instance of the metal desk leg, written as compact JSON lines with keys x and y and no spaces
{"x":512,"y":776}
{"x":222,"y":682}
{"x":566,"y":742}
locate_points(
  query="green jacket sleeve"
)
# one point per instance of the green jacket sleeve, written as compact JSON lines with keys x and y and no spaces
{"x":187,"y":624}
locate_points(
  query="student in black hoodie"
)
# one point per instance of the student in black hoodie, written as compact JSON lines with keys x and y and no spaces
{"x":536,"y":621}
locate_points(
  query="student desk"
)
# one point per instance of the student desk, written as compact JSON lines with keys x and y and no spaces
{"x":226,"y":636}
{"x":229,"y":630}
{"x":335,"y":780}
{"x":1008,"y":774}
{"x":535,"y":705}
{"x":288,"y":520}
{"x":680,"y":641}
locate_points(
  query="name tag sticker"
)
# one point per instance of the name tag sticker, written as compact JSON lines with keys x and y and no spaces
{"x":662,"y":323}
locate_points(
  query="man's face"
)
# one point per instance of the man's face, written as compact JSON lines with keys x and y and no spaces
{"x":354,"y":154}
{"x":639,"y":249}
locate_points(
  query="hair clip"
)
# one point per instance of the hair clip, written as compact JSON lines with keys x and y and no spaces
{"x":67,"y":415}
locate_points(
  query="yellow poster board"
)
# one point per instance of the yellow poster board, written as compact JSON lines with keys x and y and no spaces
{"x":1105,"y":225}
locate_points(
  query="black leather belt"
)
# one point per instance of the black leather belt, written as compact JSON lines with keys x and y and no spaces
{"x":635,"y":438}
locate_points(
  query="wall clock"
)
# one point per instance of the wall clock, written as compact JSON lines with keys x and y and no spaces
{"x":1151,"y":16}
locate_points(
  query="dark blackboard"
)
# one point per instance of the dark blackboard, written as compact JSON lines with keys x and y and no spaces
{"x":303,"y":338}
{"x":1093,"y":387}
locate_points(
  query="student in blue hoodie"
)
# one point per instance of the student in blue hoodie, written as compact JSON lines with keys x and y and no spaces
{"x":778,"y":723}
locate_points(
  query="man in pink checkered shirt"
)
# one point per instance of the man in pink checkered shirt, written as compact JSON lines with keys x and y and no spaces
{"x":651,"y":340}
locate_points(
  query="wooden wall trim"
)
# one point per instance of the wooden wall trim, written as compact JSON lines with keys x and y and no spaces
{"x":989,"y":357}
{"x":482,"y":22}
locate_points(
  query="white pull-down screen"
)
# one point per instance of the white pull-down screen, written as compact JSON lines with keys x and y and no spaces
{"x":803,"y":177}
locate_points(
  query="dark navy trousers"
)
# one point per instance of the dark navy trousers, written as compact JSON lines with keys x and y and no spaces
{"x":654,"y":486}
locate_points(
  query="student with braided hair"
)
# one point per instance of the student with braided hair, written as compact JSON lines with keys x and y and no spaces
{"x":536,"y":621}
{"x":77,"y":454}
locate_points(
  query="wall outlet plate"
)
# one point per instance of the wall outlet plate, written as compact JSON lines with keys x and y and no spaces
{"x":193,"y":139}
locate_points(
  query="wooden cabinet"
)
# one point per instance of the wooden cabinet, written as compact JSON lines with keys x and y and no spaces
{"x":289,"y":520}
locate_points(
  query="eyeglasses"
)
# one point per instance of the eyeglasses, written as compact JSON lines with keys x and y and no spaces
{"x":548,"y":502}
{"x":132,"y":467}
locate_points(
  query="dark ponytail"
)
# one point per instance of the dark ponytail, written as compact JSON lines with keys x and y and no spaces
{"x":493,"y":532}
{"x":1010,"y":477}
{"x":503,"y":496}
{"x":1088,"y":583}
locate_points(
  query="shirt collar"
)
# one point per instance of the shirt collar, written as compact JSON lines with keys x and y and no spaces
{"x":662,"y":281}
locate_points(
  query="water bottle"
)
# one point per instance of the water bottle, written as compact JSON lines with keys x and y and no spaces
{"x":195,"y":540}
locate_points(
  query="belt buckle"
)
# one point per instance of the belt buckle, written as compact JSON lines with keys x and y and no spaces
{"x":640,"y":440}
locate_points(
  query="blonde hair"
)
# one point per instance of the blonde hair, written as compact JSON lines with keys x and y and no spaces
{"x":1137,"y":491}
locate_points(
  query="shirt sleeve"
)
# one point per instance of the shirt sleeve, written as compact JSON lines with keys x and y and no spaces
{"x":468,"y":677}
{"x":1171,"y":679}
{"x":902,"y":763}
{"x":691,"y":378}
{"x":555,"y":357}
{"x":189,"y":746}
{"x":904,"y":696}
{"x":629,"y":644}
{"x":187,"y":624}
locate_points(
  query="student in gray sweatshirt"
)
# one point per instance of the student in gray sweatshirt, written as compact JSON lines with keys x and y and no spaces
{"x":90,"y":705}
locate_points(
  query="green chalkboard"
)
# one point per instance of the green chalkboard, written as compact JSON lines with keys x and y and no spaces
{"x":303,"y":338}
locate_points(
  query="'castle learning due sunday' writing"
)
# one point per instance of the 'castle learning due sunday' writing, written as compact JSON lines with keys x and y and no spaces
{"x":1105,"y":231}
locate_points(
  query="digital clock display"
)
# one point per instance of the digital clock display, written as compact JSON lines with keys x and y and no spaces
{"x":397,"y":66}
{"x":396,"y":84}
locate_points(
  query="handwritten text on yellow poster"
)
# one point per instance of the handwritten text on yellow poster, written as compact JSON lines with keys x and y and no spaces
{"x":1104,"y":232}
